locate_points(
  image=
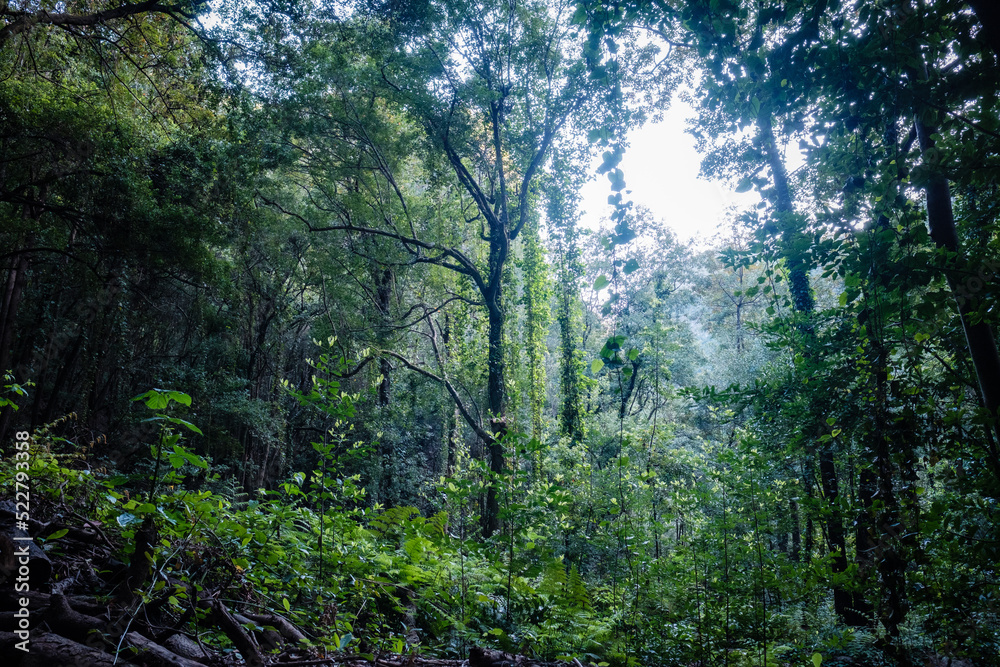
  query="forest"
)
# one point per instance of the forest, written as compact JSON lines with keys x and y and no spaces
{"x":311,"y":356}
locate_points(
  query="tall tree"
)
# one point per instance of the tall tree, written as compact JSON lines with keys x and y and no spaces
{"x":490,"y":88}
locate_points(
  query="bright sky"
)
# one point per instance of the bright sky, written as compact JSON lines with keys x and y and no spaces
{"x":661,"y":169}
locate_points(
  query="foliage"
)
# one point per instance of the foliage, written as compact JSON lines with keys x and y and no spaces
{"x":421,"y":408}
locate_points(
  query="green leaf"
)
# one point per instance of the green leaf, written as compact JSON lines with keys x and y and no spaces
{"x":195,"y":460}
{"x":617,"y":178}
{"x":158,"y":399}
{"x":817,"y":659}
{"x":180,"y":397}
{"x":601,"y":282}
{"x":153,"y":399}
{"x":184,"y":423}
{"x":286,"y":604}
{"x":744,"y":185}
{"x":631,"y":266}
{"x":345,"y":640}
{"x":596,"y":365}
{"x":56,"y":535}
{"x":623,"y":237}
{"x":633,"y":354}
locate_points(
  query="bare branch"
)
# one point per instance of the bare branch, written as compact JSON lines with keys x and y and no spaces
{"x":476,"y":426}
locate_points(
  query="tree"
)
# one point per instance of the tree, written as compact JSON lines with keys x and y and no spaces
{"x":107,"y":117}
{"x":561,"y":216}
{"x":490,"y":89}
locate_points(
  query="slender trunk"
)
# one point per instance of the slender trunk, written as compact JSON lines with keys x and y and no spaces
{"x":383,"y":280}
{"x":65,"y":372}
{"x":536,"y":326}
{"x":793,"y":510}
{"x":843,"y":601}
{"x":845,"y":604}
{"x":808,"y":474}
{"x":798,"y":269}
{"x":627,"y":392}
{"x":865,"y":546}
{"x":891,"y":563}
{"x":905,"y":433}
{"x":452,"y":420}
{"x":451,"y":455}
{"x":16,"y":279}
{"x":383,"y":293}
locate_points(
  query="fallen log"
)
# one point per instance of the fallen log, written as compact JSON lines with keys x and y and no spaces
{"x":71,"y":623}
{"x":154,"y":654}
{"x":485,"y":657}
{"x":270,"y":639}
{"x":11,"y":620}
{"x":9,"y":653}
{"x":91,"y":535}
{"x":52,"y":650}
{"x":281,"y":624}
{"x":185,"y":646}
{"x":221,"y":617}
{"x":85,"y":604}
{"x":17,"y":551}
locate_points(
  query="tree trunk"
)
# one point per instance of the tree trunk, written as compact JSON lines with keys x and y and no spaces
{"x":865,"y":546}
{"x":798,"y":269}
{"x":793,"y":510}
{"x":383,"y":280}
{"x":570,"y":419}
{"x":451,"y":442}
{"x":844,"y":603}
{"x":497,"y":403}
{"x":16,"y":279}
{"x":941,"y":222}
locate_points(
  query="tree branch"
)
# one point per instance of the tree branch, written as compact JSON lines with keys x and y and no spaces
{"x":476,"y":426}
{"x":464,"y":265}
{"x":24,"y":21}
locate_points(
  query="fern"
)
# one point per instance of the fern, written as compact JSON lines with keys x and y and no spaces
{"x":576,"y":590}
